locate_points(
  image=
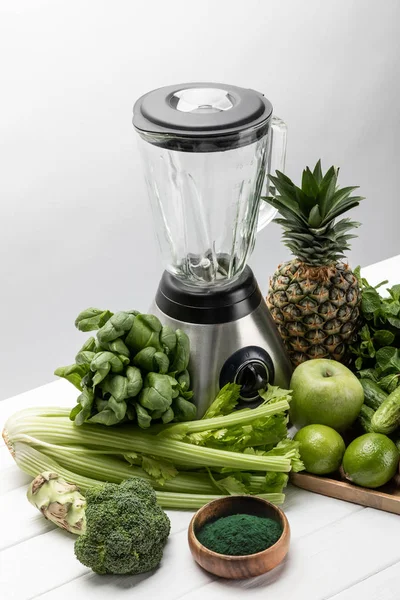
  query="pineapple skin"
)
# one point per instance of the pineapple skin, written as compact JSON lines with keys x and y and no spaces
{"x":316,"y":309}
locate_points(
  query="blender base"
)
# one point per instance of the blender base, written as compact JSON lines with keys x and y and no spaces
{"x":242,"y":345}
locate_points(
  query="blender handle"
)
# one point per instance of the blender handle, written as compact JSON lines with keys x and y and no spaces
{"x":276,"y":156}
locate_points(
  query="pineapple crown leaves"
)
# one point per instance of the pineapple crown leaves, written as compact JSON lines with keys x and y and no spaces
{"x":308,"y":214}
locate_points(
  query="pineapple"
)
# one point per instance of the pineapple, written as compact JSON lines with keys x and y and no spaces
{"x":314,"y":299}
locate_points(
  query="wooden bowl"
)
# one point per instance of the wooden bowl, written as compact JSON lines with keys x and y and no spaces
{"x":238,"y":567}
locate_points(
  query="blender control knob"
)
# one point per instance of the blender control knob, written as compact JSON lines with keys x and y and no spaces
{"x":252,"y":376}
{"x":250,"y":367}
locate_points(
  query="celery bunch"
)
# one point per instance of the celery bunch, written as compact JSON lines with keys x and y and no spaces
{"x":226,"y":452}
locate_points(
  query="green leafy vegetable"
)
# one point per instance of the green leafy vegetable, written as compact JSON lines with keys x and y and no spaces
{"x":226,"y":400}
{"x":145,"y":331}
{"x":73,"y":373}
{"x":92,"y":319}
{"x":192,"y":462}
{"x":181,"y":352}
{"x":131,"y":370}
{"x":377,"y":347}
{"x":126,"y":530}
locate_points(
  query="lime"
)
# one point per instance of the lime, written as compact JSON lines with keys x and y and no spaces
{"x":321,"y":448}
{"x":371,"y":460}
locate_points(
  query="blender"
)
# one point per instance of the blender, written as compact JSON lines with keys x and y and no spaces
{"x":206,"y":149}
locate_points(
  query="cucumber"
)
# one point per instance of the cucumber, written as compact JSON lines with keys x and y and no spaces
{"x":364,"y":418}
{"x":387,"y":418}
{"x":373,"y":394}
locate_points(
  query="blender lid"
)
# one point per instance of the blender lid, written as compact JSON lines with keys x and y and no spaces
{"x":200,"y":111}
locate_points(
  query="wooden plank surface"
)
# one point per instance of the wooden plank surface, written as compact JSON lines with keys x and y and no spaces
{"x":324,"y":563}
{"x":386,"y":498}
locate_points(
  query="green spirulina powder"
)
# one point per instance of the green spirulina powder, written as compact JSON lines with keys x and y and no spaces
{"x":241,"y":534}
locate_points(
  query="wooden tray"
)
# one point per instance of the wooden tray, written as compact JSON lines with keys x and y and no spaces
{"x":386,"y":497}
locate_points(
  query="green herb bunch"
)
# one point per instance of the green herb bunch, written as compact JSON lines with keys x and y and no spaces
{"x":135,"y":369}
{"x":377,"y":347}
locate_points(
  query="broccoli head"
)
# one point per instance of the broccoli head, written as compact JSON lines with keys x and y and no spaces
{"x":126,"y":530}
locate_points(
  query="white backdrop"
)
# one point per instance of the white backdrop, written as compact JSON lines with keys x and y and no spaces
{"x":75,"y":224}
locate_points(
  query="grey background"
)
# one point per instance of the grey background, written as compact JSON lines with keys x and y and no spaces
{"x":76,"y":228}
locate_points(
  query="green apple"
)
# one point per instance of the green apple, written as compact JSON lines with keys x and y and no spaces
{"x":325,"y":392}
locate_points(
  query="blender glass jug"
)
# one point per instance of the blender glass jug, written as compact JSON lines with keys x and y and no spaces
{"x":206,"y":150}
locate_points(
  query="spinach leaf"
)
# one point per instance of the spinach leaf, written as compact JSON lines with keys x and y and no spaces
{"x":181,"y":354}
{"x":144,"y":359}
{"x":117,"y":346}
{"x":101,"y":404}
{"x":183,"y":409}
{"x":167,"y":416}
{"x":135,"y":381}
{"x":89,"y":345}
{"x":184,"y":380}
{"x":73,"y":373}
{"x":143,"y":417}
{"x":105,"y":417}
{"x":118,"y":407}
{"x":103,"y":363}
{"x":145,"y":331}
{"x":92,"y":318}
{"x":168,"y":339}
{"x":156,"y":393}
{"x":119,"y":324}
{"x":161,"y":362}
{"x":102,"y":358}
{"x":149,"y":359}
{"x":85,"y":401}
{"x":84,"y":357}
{"x":117,"y":386}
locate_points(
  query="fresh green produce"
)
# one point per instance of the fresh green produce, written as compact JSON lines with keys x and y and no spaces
{"x":58,"y":501}
{"x":364,"y":418}
{"x":370,"y":460}
{"x":396,"y":439}
{"x":227,"y":452}
{"x":321,"y":449}
{"x":373,"y":394}
{"x":314,"y":299}
{"x":121,"y":527}
{"x":241,"y":534}
{"x":126,"y":530}
{"x":376,"y":349}
{"x":134,"y":370}
{"x":387,"y":418}
{"x":325,"y":392}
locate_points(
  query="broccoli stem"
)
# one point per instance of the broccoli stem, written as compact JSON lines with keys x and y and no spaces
{"x":59,"y":501}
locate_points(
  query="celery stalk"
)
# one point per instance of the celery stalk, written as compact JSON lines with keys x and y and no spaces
{"x":239,"y":417}
{"x":32,"y":461}
{"x":60,"y":430}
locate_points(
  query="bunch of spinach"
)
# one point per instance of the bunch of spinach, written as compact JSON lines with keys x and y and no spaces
{"x":135,"y":369}
{"x":377,"y":347}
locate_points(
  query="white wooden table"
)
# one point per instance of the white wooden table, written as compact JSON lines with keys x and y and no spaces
{"x":338,"y":550}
